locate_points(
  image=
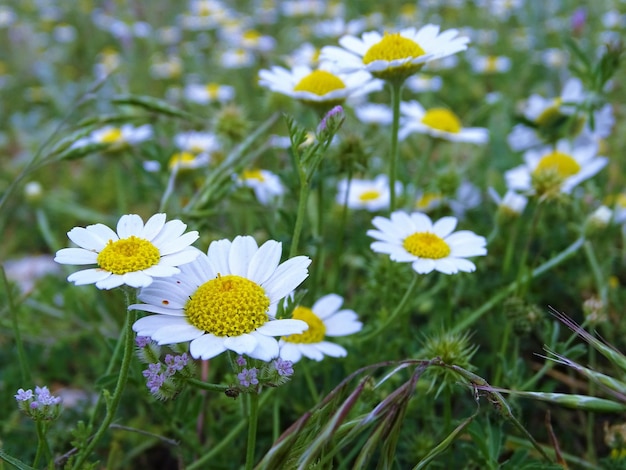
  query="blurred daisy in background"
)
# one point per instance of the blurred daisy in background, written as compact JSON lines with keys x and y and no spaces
{"x":394,"y":55}
{"x":437,"y":122}
{"x":197,"y":142}
{"x":548,"y":170}
{"x":223,"y":300}
{"x":374,"y":113}
{"x":324,"y":319}
{"x":265,"y":184}
{"x":208,"y":93}
{"x":134,"y":254}
{"x":488,"y":64}
{"x":421,"y":83}
{"x":550,"y":119}
{"x":512,"y":203}
{"x":414,"y":238}
{"x":117,"y":137}
{"x":319,"y":87}
{"x":372,"y":195}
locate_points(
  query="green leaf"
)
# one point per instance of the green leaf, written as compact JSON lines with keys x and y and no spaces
{"x":15,"y":462}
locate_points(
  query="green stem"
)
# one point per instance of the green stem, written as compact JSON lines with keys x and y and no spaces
{"x":302,"y":203}
{"x":310,"y":382}
{"x":210,"y":456}
{"x":521,"y":274}
{"x":253,"y":420}
{"x":115,"y":399}
{"x":42,"y":444}
{"x":169,"y":189}
{"x":475,"y":315}
{"x":601,"y":283}
{"x":207,"y":386}
{"x":21,"y":353}
{"x":396,"y":94}
{"x":399,"y":308}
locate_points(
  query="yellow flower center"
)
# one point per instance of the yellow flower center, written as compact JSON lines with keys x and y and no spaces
{"x":370,"y":195}
{"x":251,"y":36}
{"x":442,"y":120}
{"x":111,"y":136}
{"x":213,"y":90}
{"x":560,"y":163}
{"x":428,"y":201}
{"x":228,"y":306}
{"x":492,"y":64}
{"x":181,"y":159}
{"x":426,"y":245}
{"x":320,"y":82}
{"x":253,"y":175}
{"x":393,"y":47}
{"x":316,"y":331}
{"x":128,"y":255}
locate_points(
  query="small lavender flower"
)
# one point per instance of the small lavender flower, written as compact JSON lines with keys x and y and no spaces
{"x":23,"y":395}
{"x":332,"y":121}
{"x":241,"y":361}
{"x":142,"y":341}
{"x":41,"y":405}
{"x":248,"y":377}
{"x":284,"y":368}
{"x":175,"y":363}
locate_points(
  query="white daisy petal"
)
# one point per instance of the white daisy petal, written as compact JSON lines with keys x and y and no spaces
{"x":88,"y":276}
{"x":331,"y":349}
{"x":153,"y":226}
{"x":206,"y":347}
{"x":86,"y":239}
{"x":265,"y":261}
{"x":343,"y":323}
{"x":103,"y":232}
{"x":287,"y":277}
{"x":136,"y":279}
{"x":290,"y":352}
{"x":128,"y":225}
{"x":327,"y":305}
{"x":146,"y":326}
{"x":174,"y":245}
{"x":218,"y":256}
{"x":75,"y":256}
{"x":310,"y":351}
{"x":114,"y":280}
{"x":242,"y":344}
{"x":282,"y":327}
{"x":240,"y":255}
{"x":423,"y":266}
{"x":176,"y":333}
{"x":266,"y":349}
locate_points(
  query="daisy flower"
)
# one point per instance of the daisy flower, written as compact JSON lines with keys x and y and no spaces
{"x":265,"y":184}
{"x":437,"y":122}
{"x":324,"y":319}
{"x":182,"y":161}
{"x":560,"y":168}
{"x":223,"y":300}
{"x":511,"y":203}
{"x":208,"y":93}
{"x":117,"y":137}
{"x":322,"y":86}
{"x":413,"y":238}
{"x":372,"y":195}
{"x":133,"y":255}
{"x":197,"y":142}
{"x":548,"y":119}
{"x":394,"y":55}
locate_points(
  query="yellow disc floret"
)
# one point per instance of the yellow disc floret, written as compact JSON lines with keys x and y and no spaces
{"x":443,"y":120}
{"x":557,"y":162}
{"x":370,"y":195}
{"x":394,"y":47}
{"x":320,"y":82}
{"x":181,"y":160}
{"x":128,"y":255}
{"x":253,"y":174}
{"x":228,"y":306}
{"x":426,"y":245}
{"x":111,"y":136}
{"x":316,"y":331}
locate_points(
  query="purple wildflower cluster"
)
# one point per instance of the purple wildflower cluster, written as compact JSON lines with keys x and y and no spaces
{"x":41,"y":405}
{"x":272,"y":374}
{"x":248,"y":377}
{"x":158,"y":375}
